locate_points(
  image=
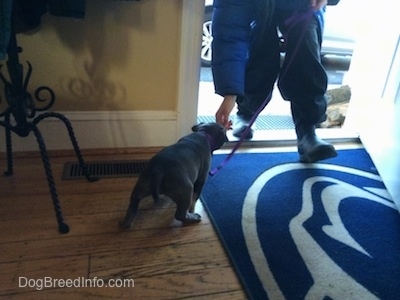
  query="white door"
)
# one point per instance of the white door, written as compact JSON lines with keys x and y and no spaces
{"x":375,"y":79}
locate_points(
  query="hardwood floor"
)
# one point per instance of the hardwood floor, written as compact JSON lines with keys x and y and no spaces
{"x":165,"y":259}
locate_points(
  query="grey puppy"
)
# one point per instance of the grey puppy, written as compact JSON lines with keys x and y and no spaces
{"x":179,"y":171}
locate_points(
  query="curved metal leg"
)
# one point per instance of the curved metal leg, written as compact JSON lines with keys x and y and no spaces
{"x":9,"y":171}
{"x":63,"y":227}
{"x":22,"y":107}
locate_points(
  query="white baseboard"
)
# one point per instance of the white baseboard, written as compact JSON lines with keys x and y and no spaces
{"x":98,"y":130}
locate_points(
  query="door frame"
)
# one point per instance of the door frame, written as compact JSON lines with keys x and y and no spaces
{"x":189,"y":65}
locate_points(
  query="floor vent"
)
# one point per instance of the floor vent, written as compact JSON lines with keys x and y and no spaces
{"x":263,"y":122}
{"x":105,"y":169}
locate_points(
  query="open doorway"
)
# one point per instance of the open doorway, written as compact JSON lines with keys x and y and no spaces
{"x":275,"y":121}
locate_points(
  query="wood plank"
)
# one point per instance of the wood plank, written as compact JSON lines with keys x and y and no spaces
{"x":31,"y":275}
{"x":140,"y":262}
{"x":99,"y":243}
{"x":155,"y":275}
{"x":122,"y":293}
{"x":90,"y":223}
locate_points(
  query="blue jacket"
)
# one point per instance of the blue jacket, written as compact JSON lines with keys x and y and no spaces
{"x":234,"y":22}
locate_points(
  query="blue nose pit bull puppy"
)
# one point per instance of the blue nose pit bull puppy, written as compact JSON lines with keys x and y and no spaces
{"x":179,"y":171}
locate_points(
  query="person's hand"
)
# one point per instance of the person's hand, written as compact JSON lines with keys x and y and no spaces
{"x":226,"y":107}
{"x":318,"y":4}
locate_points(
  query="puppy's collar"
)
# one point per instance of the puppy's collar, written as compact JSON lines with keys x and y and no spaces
{"x":210,"y":140}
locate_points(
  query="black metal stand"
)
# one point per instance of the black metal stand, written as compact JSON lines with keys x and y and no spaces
{"x":20,"y":117}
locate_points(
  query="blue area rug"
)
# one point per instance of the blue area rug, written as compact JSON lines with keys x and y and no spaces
{"x":307,"y":231}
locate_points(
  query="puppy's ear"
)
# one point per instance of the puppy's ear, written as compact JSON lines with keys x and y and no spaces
{"x":196,"y":127}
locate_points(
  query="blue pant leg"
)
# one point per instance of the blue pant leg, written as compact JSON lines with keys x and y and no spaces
{"x":261,"y":70}
{"x":303,"y":79}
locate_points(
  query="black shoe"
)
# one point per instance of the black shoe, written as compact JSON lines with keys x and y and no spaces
{"x":311,"y":148}
{"x":240,"y":125}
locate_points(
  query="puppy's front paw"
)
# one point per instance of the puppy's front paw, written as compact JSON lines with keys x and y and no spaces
{"x":192,"y":218}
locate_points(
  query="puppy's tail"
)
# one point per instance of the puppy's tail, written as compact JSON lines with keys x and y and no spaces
{"x":155,"y":184}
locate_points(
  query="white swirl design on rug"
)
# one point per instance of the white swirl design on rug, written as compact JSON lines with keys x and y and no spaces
{"x":324,"y":270}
